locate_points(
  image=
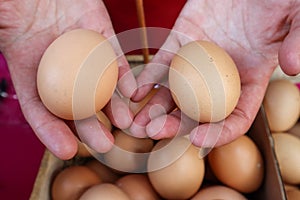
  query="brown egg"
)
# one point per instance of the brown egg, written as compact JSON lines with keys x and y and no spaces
{"x":104,"y":120}
{"x":282,"y":105}
{"x":293,"y":194}
{"x":137,"y":187}
{"x":290,"y":187}
{"x":72,"y":182}
{"x":105,"y":191}
{"x":238,"y":164}
{"x":175,"y":168}
{"x":129,"y":154}
{"x":295,"y":130}
{"x":83,"y":150}
{"x":106,"y":174}
{"x":287,"y":150}
{"x":77,"y":74}
{"x":204,"y":81}
{"x":218,"y":192}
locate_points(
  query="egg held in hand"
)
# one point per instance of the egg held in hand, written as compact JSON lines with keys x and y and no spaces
{"x":77,"y":74}
{"x":204,"y":81}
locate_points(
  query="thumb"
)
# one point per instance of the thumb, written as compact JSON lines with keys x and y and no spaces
{"x":289,"y":52}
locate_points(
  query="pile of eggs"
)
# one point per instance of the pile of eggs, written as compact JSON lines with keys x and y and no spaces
{"x":175,"y":170}
{"x":205,"y":85}
{"x":282,"y":108}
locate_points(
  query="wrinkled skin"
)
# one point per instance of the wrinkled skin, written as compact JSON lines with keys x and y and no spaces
{"x":26,"y":30}
{"x":258,"y":35}
{"x":255,"y":33}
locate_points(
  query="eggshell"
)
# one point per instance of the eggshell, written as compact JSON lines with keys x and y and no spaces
{"x":238,"y":164}
{"x":77,"y":74}
{"x":282,"y":105}
{"x":106,"y":191}
{"x":104,"y":120}
{"x":129,"y":154}
{"x":218,"y":192}
{"x":204,"y":81}
{"x":137,"y":187}
{"x":106,"y":174}
{"x":295,"y":130}
{"x":175,"y":168}
{"x":287,"y":150}
{"x":293,"y":195}
{"x":72,"y":182}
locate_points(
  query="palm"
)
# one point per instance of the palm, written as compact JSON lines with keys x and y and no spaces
{"x":253,"y":33}
{"x":29,"y":29}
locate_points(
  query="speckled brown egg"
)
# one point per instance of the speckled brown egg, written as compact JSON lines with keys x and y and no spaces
{"x":77,"y":74}
{"x":204,"y":81}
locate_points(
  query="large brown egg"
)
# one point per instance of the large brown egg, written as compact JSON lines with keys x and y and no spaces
{"x":137,"y":187}
{"x":105,"y":191}
{"x":72,"y":182}
{"x":217,"y":192}
{"x":287,"y":150}
{"x":77,"y":74}
{"x":282,"y":105}
{"x":106,"y":174}
{"x":129,"y":154}
{"x":175,"y":168}
{"x":238,"y":164}
{"x":204,"y":81}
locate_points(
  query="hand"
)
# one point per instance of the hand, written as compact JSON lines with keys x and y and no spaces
{"x":255,"y":33}
{"x":26,"y":30}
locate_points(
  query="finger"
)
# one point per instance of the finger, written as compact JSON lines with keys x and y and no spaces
{"x":168,"y":126}
{"x":52,"y":131}
{"x":118,"y":112}
{"x":161,"y":103}
{"x":289,"y":52}
{"x":127,"y":83}
{"x":94,"y":134}
{"x":236,"y":124}
{"x":158,"y":67}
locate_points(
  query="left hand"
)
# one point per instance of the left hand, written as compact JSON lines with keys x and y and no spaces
{"x":257,"y":34}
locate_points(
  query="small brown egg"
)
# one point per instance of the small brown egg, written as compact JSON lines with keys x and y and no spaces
{"x":295,"y":130}
{"x":106,"y":174}
{"x":105,"y":191}
{"x":77,"y":74}
{"x":293,"y":194}
{"x":287,"y":150}
{"x":129,"y":154}
{"x":218,"y":192}
{"x":72,"y":182}
{"x":238,"y":164}
{"x":104,"y":120}
{"x":175,"y":168}
{"x":290,"y":187}
{"x":137,"y":187}
{"x":204,"y":81}
{"x":282,"y":105}
{"x":83,"y":150}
